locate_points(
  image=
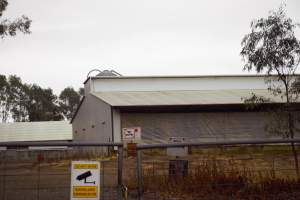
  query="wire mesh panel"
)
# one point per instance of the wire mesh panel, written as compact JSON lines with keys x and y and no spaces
{"x":239,"y":172}
{"x":218,"y":172}
{"x":46,"y":174}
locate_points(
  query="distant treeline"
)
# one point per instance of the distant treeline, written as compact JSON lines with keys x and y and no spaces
{"x":22,"y":102}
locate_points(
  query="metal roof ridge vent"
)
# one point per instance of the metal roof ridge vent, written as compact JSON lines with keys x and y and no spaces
{"x":104,"y":73}
{"x":107,"y":72}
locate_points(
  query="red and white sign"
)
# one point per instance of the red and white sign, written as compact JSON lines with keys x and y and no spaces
{"x":131,"y":134}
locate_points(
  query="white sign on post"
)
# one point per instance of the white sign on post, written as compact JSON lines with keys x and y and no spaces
{"x":85,"y":180}
{"x":177,"y":151}
{"x":132,"y":134}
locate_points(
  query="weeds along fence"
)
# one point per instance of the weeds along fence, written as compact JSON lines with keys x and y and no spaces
{"x":253,"y":169}
{"x":45,"y":174}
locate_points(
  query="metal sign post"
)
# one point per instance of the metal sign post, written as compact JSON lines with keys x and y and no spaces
{"x":139,"y":174}
{"x":131,"y":149}
{"x":85,"y":180}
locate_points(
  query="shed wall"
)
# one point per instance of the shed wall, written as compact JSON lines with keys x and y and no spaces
{"x":201,"y":126}
{"x":93,"y":121}
{"x":116,"y":125}
{"x":35,"y":131}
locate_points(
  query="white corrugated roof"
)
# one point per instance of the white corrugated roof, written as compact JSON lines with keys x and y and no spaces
{"x":35,"y":131}
{"x":161,"y":98}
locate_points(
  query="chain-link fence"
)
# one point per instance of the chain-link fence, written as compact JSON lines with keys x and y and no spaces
{"x":262,"y":169}
{"x":39,"y":174}
{"x":228,"y":170}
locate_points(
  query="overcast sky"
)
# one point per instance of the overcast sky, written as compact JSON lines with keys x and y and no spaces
{"x":133,"y":37}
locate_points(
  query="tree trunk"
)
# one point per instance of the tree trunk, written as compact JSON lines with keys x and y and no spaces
{"x":296,"y":160}
{"x":291,"y":128}
{"x":295,"y":154}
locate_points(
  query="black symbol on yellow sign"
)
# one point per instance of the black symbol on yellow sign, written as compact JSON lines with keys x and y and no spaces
{"x":84,"y":176}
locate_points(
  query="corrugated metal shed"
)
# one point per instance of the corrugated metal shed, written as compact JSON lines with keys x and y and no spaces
{"x":35,"y":131}
{"x":161,"y":98}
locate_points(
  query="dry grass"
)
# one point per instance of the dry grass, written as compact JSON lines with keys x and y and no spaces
{"x":225,"y":173}
{"x":212,"y":180}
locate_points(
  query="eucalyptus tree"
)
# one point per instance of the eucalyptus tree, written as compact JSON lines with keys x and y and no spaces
{"x":272,"y":48}
{"x":17,"y":99}
{"x":27,"y":102}
{"x":10,"y":28}
{"x":4,"y":106}
{"x":42,"y":104}
{"x":69,"y":101}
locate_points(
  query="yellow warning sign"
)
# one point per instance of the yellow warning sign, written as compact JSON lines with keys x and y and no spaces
{"x":85,"y":191}
{"x":85,"y":166}
{"x":85,"y":180}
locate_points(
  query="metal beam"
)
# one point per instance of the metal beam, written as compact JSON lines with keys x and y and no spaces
{"x":120,"y":172}
{"x":139,"y":175}
{"x":68,"y":144}
{"x":220,"y":143}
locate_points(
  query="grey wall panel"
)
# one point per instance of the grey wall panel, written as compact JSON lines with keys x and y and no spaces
{"x":93,"y":121}
{"x":87,"y":88}
{"x":35,"y":131}
{"x":209,"y":126}
{"x":116,"y":125}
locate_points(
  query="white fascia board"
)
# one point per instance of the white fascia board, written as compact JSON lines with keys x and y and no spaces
{"x":177,"y":83}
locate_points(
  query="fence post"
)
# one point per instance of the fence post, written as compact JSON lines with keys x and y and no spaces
{"x":139,"y":174}
{"x":4,"y":175}
{"x":102,"y":180}
{"x":120,"y":172}
{"x":39,"y":171}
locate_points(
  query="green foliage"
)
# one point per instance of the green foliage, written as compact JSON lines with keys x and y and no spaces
{"x":12,"y":91}
{"x":31,"y":102}
{"x":69,"y":101}
{"x":22,"y":102}
{"x":272,"y":45}
{"x":42,"y":104}
{"x":17,"y":99}
{"x":10,"y":28}
{"x":4,"y":87}
{"x":272,"y":48}
{"x":81,"y":92}
{"x":254,"y":101}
